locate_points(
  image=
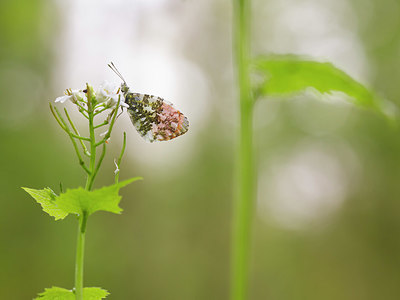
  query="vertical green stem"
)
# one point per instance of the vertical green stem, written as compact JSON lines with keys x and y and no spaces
{"x":80,"y":251}
{"x":80,"y":246}
{"x":92,"y":166}
{"x":244,"y":201}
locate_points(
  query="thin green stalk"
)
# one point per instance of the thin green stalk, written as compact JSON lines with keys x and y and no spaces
{"x":100,"y":111}
{"x":90,"y":179}
{"x":106,"y":137}
{"x":120,"y":158}
{"x":243,"y":208}
{"x":80,"y":246}
{"x":103,"y":153}
{"x":80,"y":251}
{"x":61,"y":121}
{"x":92,"y":172}
{"x":101,"y":125}
{"x":82,"y":110}
{"x":245,"y":196}
{"x":64,"y":125}
{"x":114,"y":117}
{"x":85,"y":151}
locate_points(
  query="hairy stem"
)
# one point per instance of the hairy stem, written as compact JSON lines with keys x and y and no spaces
{"x":245,"y":196}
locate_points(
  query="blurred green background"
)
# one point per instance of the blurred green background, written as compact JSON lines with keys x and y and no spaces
{"x":327,"y":224}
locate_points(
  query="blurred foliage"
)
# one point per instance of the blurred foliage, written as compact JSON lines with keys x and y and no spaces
{"x":172,"y":241}
{"x":285,"y":75}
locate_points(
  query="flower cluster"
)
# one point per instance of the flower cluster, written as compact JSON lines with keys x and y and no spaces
{"x":106,"y":95}
{"x":91,"y":103}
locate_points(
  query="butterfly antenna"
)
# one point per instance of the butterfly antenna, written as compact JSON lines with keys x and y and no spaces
{"x":115,"y":70}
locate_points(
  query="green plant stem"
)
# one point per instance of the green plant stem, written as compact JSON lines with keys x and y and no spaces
{"x":113,"y":118}
{"x":100,"y":111}
{"x":85,"y":151}
{"x":101,"y":125}
{"x":61,"y":121}
{"x":64,"y":125}
{"x":90,"y":179}
{"x":80,"y":251}
{"x":103,"y":153}
{"x":80,"y":246}
{"x":92,"y":171}
{"x":245,"y":196}
{"x":120,"y":158}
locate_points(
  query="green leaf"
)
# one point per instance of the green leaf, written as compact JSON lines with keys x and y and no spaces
{"x":288,"y":74}
{"x":56,"y":293}
{"x":94,"y":293}
{"x":77,"y":201}
{"x":46,"y":198}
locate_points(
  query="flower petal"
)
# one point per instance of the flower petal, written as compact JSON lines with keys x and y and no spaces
{"x":62,"y":99}
{"x":79,"y":96}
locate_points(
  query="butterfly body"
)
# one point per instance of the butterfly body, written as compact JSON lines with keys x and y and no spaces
{"x":154,"y":118}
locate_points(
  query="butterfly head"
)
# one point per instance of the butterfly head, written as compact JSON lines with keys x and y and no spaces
{"x":124,"y":86}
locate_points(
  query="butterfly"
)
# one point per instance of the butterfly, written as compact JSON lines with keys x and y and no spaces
{"x":154,"y":118}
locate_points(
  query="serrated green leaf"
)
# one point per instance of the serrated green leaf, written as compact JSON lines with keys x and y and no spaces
{"x":94,"y":293}
{"x":77,"y":201}
{"x":57,"y":293}
{"x":288,"y":74}
{"x":46,"y":198}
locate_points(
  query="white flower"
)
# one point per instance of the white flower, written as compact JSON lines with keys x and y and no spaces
{"x":72,"y":95}
{"x":109,"y":94}
{"x":62,"y":99}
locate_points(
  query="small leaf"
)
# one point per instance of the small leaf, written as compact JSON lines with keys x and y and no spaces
{"x":46,"y":198}
{"x":56,"y":293}
{"x":288,"y":74}
{"x":77,"y":201}
{"x":94,"y":293}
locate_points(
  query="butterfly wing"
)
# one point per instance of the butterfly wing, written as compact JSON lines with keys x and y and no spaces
{"x":154,"y":118}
